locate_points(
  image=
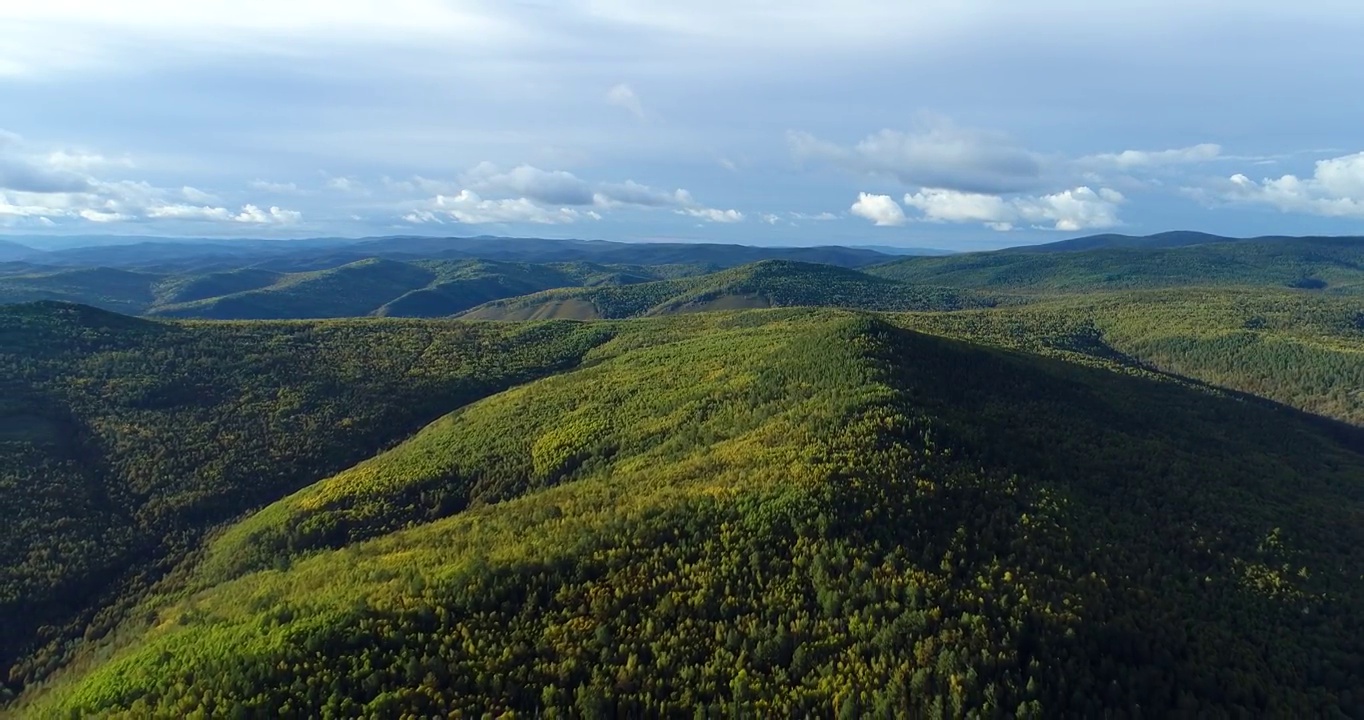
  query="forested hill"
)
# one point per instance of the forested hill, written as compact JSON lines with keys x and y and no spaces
{"x":1329,"y":264}
{"x":1110,"y":241}
{"x":771,"y":283}
{"x":10,"y":251}
{"x":123,"y":440}
{"x":763,"y":513}
{"x":183,"y":255}
{"x":374,"y":286}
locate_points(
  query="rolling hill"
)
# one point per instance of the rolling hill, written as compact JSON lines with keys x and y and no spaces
{"x":1121,"y":477}
{"x":771,"y":283}
{"x":1330,"y":264}
{"x":374,"y":286}
{"x":1114,"y":241}
{"x":113,"y":289}
{"x":321,"y":253}
{"x":796,"y":512}
{"x":12,"y":251}
{"x":123,"y":440}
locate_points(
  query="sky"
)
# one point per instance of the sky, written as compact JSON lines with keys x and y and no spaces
{"x":963,"y":125}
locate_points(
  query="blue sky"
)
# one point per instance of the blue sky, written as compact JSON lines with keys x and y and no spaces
{"x":961,"y":125}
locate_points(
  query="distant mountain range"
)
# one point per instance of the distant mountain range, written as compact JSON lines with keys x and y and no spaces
{"x":503,"y":278}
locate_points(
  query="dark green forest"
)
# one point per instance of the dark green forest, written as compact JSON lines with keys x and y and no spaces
{"x":1098,"y":480}
{"x":124,"y":440}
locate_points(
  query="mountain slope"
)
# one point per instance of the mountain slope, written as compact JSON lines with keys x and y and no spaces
{"x":1308,"y":263}
{"x":11,"y":251}
{"x":787,"y":513}
{"x":187,"y":288}
{"x":123,"y":441}
{"x":1305,"y":350}
{"x":110,"y":288}
{"x":373,"y":286}
{"x":771,"y":283}
{"x":1110,"y":241}
{"x":351,"y":290}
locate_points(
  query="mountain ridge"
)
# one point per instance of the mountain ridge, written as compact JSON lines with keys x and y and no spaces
{"x":783,"y":493}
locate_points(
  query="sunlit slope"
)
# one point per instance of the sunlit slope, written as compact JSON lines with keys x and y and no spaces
{"x":389,"y":288}
{"x":1321,"y":264}
{"x":122,"y":440}
{"x":771,"y":283}
{"x":1304,"y":350}
{"x":781,"y":514}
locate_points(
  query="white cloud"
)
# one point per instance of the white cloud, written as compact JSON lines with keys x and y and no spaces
{"x":771,"y":218}
{"x":714,"y":215}
{"x":63,"y":36}
{"x":530,"y":194}
{"x":98,"y":216}
{"x":880,"y":209}
{"x":1071,"y":210}
{"x":277,"y":188}
{"x":633,"y":193}
{"x":1130,"y":159}
{"x":823,"y":216}
{"x":253,"y":214}
{"x":194,"y":194}
{"x":24,"y":173}
{"x":189,"y":212}
{"x":623,"y":96}
{"x":550,"y":187}
{"x":467,"y":207}
{"x":346,"y":185}
{"x":936,"y":154}
{"x":83,"y":161}
{"x":1335,"y":189}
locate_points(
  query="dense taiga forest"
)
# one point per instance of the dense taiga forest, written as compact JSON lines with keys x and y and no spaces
{"x":1112,"y":477}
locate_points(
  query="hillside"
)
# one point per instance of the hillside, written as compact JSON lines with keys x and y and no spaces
{"x":189,"y":255}
{"x":1111,"y":241}
{"x":771,"y":283}
{"x":122,"y":441}
{"x":110,"y":288}
{"x":351,"y":290}
{"x":1304,"y":350}
{"x":191,"y":287}
{"x":1329,"y":264}
{"x":782,"y":513}
{"x":11,"y":251}
{"x":373,"y":286}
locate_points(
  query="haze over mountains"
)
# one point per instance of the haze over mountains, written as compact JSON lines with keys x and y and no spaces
{"x":434,"y":277}
{"x":1109,"y":475}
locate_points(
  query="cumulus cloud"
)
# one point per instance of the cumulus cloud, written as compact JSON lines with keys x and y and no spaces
{"x":59,"y":185}
{"x":249,"y":214}
{"x":550,"y":187}
{"x":1129,"y":159}
{"x":821,"y":217}
{"x":1335,"y":189}
{"x":714,"y":215}
{"x":487,"y":193}
{"x":24,"y":171}
{"x":623,"y":96}
{"x":277,"y":188}
{"x":1071,"y":210}
{"x":937,"y":154}
{"x":346,"y":185}
{"x":633,"y":193}
{"x":467,"y":207}
{"x":194,"y":194}
{"x":880,"y":209}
